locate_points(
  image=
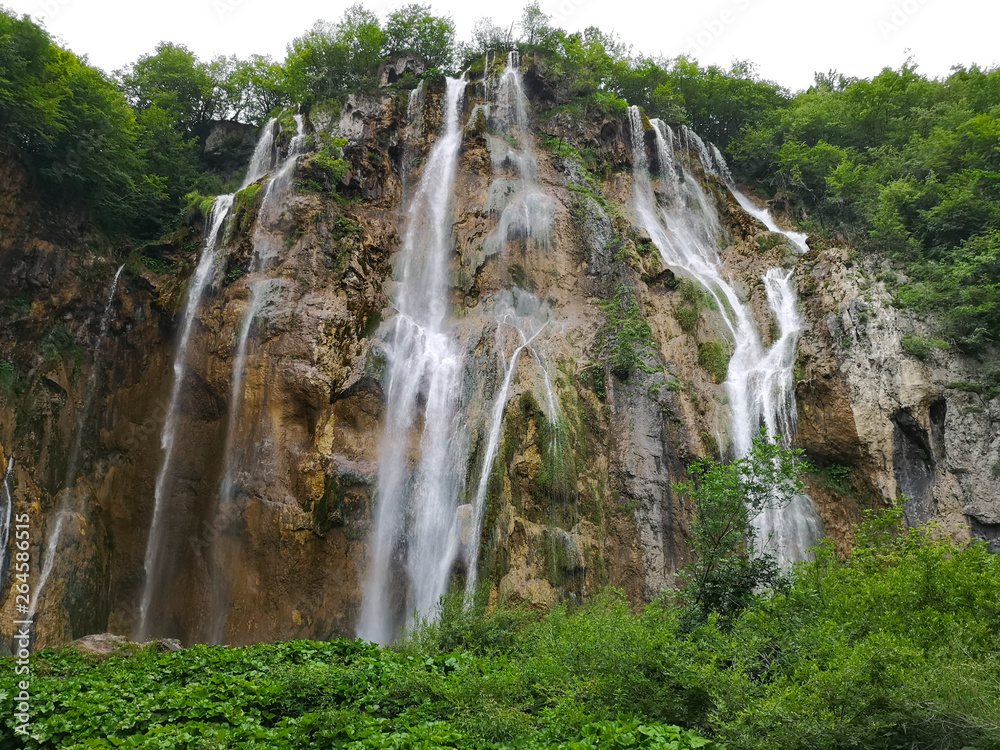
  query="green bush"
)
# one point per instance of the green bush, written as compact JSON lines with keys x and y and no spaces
{"x":895,"y":646}
{"x":921,"y":347}
{"x":714,"y":356}
{"x":687,"y":317}
{"x":626,"y":332}
{"x":8,"y":378}
{"x":330,"y":158}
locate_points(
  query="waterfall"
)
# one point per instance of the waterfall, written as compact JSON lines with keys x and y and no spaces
{"x":684,"y":226}
{"x":52,"y":543}
{"x":526,"y":211}
{"x":493,"y":441}
{"x":199,"y":284}
{"x":262,"y":293}
{"x":416,"y":529}
{"x":264,"y":156}
{"x":263,"y":252}
{"x":414,"y":129}
{"x":415,"y":108}
{"x":6,"y":518}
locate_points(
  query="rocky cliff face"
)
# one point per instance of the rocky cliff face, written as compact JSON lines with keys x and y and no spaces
{"x":909,"y":419}
{"x":576,"y":502}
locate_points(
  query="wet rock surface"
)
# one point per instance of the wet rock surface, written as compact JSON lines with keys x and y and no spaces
{"x":574,"y":505}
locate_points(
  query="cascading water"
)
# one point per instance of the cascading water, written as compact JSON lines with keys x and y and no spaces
{"x":415,"y":108}
{"x":6,"y":518}
{"x":526,"y":213}
{"x":416,"y":529}
{"x":200,"y":282}
{"x":65,"y":504}
{"x":525,"y":210}
{"x":264,"y":156}
{"x":414,"y":128}
{"x":260,"y":289}
{"x":684,"y":226}
{"x":523,"y":315}
{"x":266,"y":245}
{"x":263,"y":292}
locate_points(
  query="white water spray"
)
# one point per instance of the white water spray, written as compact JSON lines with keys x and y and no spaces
{"x":685,"y":228}
{"x":200,"y":282}
{"x":416,"y":531}
{"x":55,"y":535}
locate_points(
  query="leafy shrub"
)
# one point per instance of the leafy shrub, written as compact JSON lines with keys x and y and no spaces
{"x":921,"y":347}
{"x":687,"y":317}
{"x":8,"y":378}
{"x":713,"y":356}
{"x":893,"y":647}
{"x":330,"y":158}
{"x":625,"y":333}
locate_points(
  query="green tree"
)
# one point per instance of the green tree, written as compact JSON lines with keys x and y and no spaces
{"x":488,"y":37}
{"x":330,"y":60}
{"x":256,"y":87}
{"x":730,"y":562}
{"x":534,"y":25}
{"x":174,"y":80}
{"x":413,"y":29}
{"x":69,"y":125}
{"x":317,"y":64}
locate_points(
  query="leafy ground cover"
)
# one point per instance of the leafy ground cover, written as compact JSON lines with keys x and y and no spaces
{"x":895,"y":647}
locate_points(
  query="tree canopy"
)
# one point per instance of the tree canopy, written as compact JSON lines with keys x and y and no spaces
{"x":900,"y":163}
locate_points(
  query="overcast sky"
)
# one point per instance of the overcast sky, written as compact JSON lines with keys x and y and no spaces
{"x":788,"y":39}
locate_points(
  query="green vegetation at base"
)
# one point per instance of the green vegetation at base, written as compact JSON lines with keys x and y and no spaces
{"x":895,"y":647}
{"x":730,"y":566}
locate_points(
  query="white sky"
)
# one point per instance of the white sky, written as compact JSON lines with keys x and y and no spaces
{"x":788,"y":39}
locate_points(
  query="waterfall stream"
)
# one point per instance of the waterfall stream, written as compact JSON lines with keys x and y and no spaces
{"x":525,"y":210}
{"x":263,"y":293}
{"x":684,"y":226}
{"x":83,"y":418}
{"x":420,"y":528}
{"x":6,"y":519}
{"x":199,"y":284}
{"x":264,"y":156}
{"x":520,"y":325}
{"x":416,"y":534}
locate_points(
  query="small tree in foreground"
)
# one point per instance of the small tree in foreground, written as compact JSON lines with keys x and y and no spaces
{"x":728,"y":567}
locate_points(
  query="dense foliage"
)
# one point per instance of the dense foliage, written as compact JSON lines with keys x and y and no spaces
{"x":896,"y":647}
{"x":731,"y":563}
{"x":68,"y":123}
{"x":905,"y":165}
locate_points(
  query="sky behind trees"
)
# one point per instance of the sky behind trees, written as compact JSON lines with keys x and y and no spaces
{"x":789,"y":40}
